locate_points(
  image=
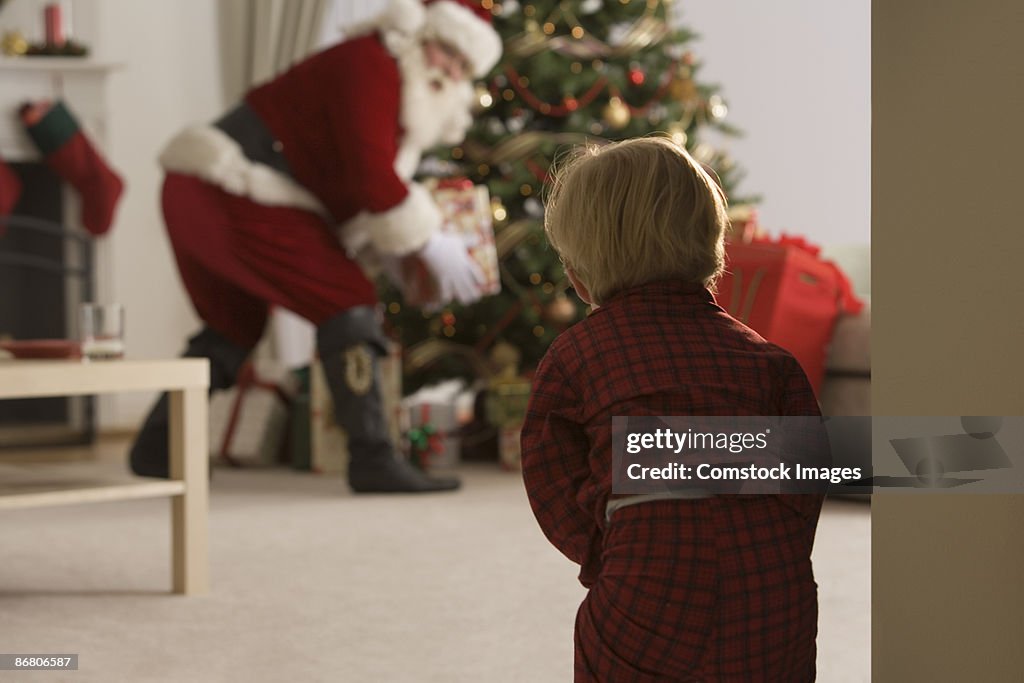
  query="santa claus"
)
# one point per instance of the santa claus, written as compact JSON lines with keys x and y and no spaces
{"x":255,"y":204}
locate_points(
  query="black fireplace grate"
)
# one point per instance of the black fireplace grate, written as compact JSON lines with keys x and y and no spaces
{"x":46,"y":271}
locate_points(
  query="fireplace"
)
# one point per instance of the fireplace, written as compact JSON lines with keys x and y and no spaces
{"x":42,"y":302}
{"x":45,"y":273}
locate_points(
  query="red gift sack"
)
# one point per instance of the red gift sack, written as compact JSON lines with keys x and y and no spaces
{"x":789,"y":296}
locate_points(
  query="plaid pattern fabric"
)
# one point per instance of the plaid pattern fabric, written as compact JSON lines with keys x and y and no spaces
{"x":712,"y":590}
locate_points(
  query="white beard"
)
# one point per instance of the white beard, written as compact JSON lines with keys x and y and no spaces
{"x":434,"y":109}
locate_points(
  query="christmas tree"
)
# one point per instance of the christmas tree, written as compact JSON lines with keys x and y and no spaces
{"x":573,"y":72}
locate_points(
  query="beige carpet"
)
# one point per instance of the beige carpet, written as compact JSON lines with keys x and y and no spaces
{"x":312,"y":584}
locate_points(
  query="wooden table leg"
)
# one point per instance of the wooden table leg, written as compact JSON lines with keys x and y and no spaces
{"x":189,"y":462}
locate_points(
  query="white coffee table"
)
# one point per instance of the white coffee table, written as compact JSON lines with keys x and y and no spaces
{"x":187,"y":380}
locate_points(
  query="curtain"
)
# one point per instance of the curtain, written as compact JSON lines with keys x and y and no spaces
{"x":282,"y":33}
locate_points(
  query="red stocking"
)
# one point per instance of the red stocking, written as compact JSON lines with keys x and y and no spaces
{"x":10,"y":189}
{"x":69,"y":153}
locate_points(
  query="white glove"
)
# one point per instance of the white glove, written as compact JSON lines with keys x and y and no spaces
{"x":458,"y":276}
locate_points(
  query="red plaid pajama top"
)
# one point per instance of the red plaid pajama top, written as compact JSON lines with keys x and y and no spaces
{"x":719,"y":589}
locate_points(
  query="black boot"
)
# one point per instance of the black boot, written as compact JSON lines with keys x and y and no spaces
{"x":149,"y":454}
{"x":350,"y":345}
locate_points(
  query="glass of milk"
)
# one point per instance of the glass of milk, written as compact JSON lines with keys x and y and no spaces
{"x":102,"y":331}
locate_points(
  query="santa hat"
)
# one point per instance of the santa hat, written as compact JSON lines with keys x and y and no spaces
{"x":465,"y":25}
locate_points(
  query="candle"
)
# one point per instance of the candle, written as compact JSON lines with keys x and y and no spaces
{"x":53,"y":16}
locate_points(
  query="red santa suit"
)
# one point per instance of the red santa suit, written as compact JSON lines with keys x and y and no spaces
{"x":254,"y":203}
{"x":345,"y":129}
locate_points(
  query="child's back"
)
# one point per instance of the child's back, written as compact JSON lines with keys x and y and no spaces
{"x":717,"y":589}
{"x":706,"y":585}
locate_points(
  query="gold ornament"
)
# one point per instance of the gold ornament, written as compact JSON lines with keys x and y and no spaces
{"x":616,"y":114}
{"x":498,"y":210}
{"x":703,"y":153}
{"x":560,"y":311}
{"x":717,"y":108}
{"x":678,"y":133}
{"x":484,"y":99}
{"x":14,"y":44}
{"x":683,"y":89}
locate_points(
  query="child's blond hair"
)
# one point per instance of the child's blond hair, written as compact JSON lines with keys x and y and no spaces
{"x":636,"y":211}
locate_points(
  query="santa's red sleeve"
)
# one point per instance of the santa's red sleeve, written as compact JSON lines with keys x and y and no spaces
{"x":399,"y":215}
{"x":555,"y":459}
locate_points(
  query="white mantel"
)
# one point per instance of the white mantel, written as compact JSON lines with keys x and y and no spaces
{"x":81,"y":82}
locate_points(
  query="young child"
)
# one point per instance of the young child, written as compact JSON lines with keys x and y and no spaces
{"x":714,"y":589}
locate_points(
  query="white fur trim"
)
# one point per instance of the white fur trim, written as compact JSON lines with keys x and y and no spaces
{"x":472,"y":36}
{"x":400,"y":230}
{"x":407,"y":161}
{"x":403,"y":17}
{"x":210,"y":154}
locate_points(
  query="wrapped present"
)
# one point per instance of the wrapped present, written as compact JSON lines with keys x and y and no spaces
{"x":435,"y":417}
{"x":466,"y":210}
{"x":507,"y":391}
{"x":509,"y":449}
{"x":789,"y":295}
{"x":507,"y":401}
{"x":328,"y":442}
{"x":249,"y":422}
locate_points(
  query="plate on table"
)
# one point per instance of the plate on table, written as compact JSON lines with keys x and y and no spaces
{"x":42,"y":348}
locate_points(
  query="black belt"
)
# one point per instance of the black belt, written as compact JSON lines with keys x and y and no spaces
{"x":258,"y":144}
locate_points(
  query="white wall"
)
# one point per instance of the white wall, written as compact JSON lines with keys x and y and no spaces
{"x":796,"y":75}
{"x":170,"y":77}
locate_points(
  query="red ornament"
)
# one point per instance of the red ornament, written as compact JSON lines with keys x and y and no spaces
{"x":571,"y":103}
{"x":636,"y":76}
{"x":448,"y":318}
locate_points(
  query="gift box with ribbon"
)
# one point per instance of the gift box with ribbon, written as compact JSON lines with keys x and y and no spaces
{"x":249,"y":422}
{"x":466,"y":212}
{"x":435,"y":416}
{"x":510,"y":453}
{"x":788,"y":294}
